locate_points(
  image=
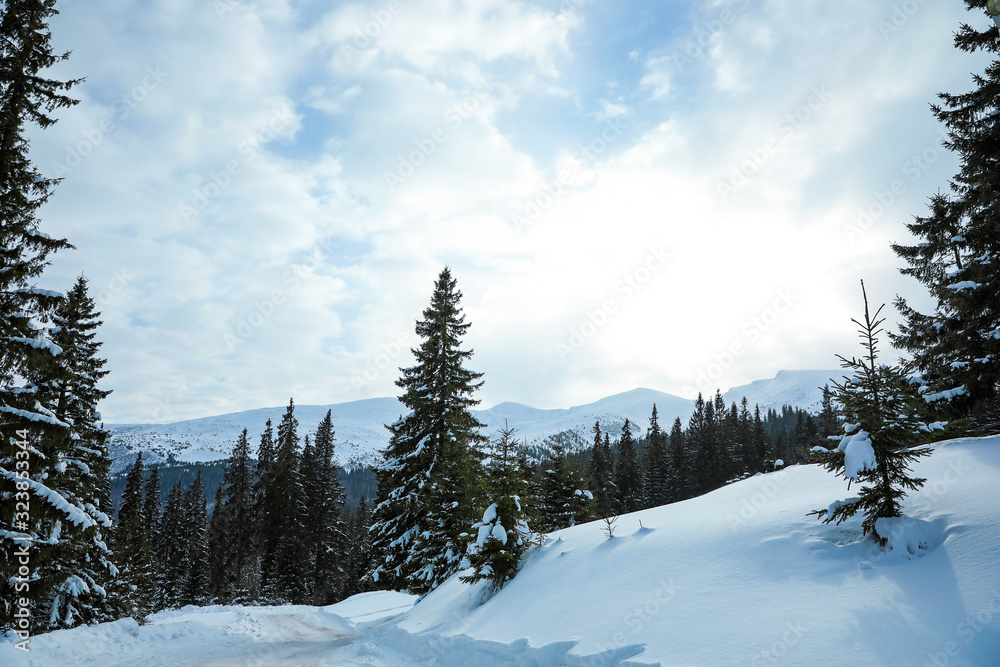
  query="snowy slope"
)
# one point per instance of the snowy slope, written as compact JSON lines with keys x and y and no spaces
{"x":361,"y":433}
{"x":739,"y":576}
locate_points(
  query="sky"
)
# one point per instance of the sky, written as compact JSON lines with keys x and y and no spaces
{"x":674,"y":195}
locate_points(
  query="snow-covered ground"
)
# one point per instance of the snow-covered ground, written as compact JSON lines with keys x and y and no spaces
{"x":361,"y":432}
{"x":740,"y":576}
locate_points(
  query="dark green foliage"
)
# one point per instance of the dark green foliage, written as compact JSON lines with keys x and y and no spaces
{"x":284,"y":554}
{"x":238,"y":560}
{"x":628,"y":474}
{"x":54,"y":460}
{"x":194,"y":585}
{"x":881,"y":406}
{"x":502,"y":536}
{"x":564,"y":500}
{"x":171,"y":551}
{"x":430,"y":476}
{"x":133,"y":589}
{"x":325,"y":530}
{"x":656,"y":469}
{"x":957,"y":346}
{"x":359,"y":551}
{"x":600,"y":473}
{"x":829,"y":422}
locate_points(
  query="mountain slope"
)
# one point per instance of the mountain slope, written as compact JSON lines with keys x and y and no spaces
{"x":361,"y":434}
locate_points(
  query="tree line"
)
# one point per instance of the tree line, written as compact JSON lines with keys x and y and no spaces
{"x":279,"y":532}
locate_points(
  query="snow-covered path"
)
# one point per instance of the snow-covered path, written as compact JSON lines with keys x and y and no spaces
{"x":224,"y":636}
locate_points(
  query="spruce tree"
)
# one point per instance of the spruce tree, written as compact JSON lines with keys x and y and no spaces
{"x":628,"y":474}
{"x":502,"y":536}
{"x":284,"y":556}
{"x":564,"y":500}
{"x":240,"y":538}
{"x":54,"y":460}
{"x":829,"y":419}
{"x":656,"y":471}
{"x":430,"y":476}
{"x":132,"y":591}
{"x":172,"y":543}
{"x":957,"y":254}
{"x":324,"y":525}
{"x":600,"y":471}
{"x":195,"y":521}
{"x":881,"y":407}
{"x":679,"y":482}
{"x":219,"y":586}
{"x":359,"y":553}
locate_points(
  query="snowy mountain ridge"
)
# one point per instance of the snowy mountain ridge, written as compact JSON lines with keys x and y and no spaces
{"x":360,"y":430}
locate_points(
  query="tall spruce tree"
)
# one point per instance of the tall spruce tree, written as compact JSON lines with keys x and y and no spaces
{"x":172,"y":550}
{"x":284,"y":556}
{"x":195,"y":521}
{"x":502,"y":536}
{"x":563,"y":499}
{"x":680,"y":475}
{"x":957,"y":257}
{"x":219,"y":591}
{"x":430,"y":475}
{"x":54,"y":460}
{"x":132,"y":591}
{"x":628,"y":473}
{"x":240,"y":538}
{"x":325,"y":529}
{"x":359,"y":554}
{"x":656,"y":471}
{"x":600,"y":471}
{"x":881,"y":406}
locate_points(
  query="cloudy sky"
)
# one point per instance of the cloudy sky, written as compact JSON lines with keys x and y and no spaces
{"x":667,"y":195}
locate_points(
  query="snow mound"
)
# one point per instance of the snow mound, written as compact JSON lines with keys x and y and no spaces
{"x":908,"y":538}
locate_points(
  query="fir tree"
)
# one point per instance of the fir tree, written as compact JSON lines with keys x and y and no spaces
{"x":600,"y":472}
{"x":284,"y":557}
{"x":359,"y":554}
{"x":172,"y":543}
{"x":957,"y":257}
{"x":502,"y":536}
{"x":656,"y":480}
{"x":195,"y":521}
{"x":53,"y":458}
{"x":680,"y":481}
{"x":829,"y":419}
{"x":881,"y":406}
{"x":430,"y":475}
{"x":628,"y":474}
{"x":324,"y":526}
{"x":240,"y":539}
{"x":133,"y":590}
{"x":564,"y":500}
{"x":219,"y":528}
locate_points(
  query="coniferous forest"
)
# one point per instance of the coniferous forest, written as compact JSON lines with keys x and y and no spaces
{"x":274,"y":525}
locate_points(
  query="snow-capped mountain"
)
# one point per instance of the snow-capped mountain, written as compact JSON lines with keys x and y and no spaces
{"x":361,"y":433}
